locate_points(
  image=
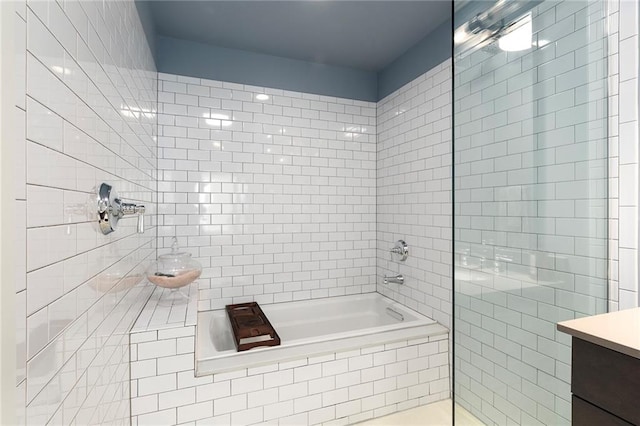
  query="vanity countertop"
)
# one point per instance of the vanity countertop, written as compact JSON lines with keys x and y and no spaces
{"x":619,"y":331}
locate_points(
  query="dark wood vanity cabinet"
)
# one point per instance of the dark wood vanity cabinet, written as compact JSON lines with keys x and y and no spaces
{"x":605,"y":385}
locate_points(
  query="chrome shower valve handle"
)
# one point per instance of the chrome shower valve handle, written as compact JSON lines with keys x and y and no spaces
{"x":401,"y":249}
{"x":111,"y":209}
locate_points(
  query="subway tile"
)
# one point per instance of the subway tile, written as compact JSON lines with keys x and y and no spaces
{"x":628,"y":175}
{"x":45,"y":206}
{"x":176,"y":363}
{"x":229,"y":404}
{"x":40,"y":171}
{"x":146,"y":368}
{"x":246,"y":417}
{"x":212,"y":391}
{"x":322,"y":415}
{"x":143,"y":405}
{"x":628,"y":19}
{"x":278,"y":410}
{"x":277,"y":379}
{"x":44,"y":126}
{"x":42,"y":44}
{"x":308,"y":403}
{"x":22,"y":333}
{"x":334,"y":397}
{"x":158,"y":417}
{"x":178,"y":398}
{"x":156,"y":384}
{"x":246,"y":384}
{"x":307,"y":373}
{"x":263,"y":397}
{"x":348,"y":408}
{"x":44,"y":286}
{"x":293,"y":391}
{"x":148,"y":350}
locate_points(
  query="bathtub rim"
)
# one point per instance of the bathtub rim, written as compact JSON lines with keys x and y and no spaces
{"x":422,"y":327}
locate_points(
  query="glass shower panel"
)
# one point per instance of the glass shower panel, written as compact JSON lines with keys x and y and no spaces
{"x":530,"y":201}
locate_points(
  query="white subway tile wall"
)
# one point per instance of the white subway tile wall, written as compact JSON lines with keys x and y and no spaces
{"x":623,"y":54}
{"x":274,"y":194}
{"x":86,"y":113}
{"x":530,"y":160}
{"x":337,"y":388}
{"x":414,"y":192}
{"x":277,"y":196}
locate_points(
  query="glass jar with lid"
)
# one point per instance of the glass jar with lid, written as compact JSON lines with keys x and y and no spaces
{"x":174,"y":270}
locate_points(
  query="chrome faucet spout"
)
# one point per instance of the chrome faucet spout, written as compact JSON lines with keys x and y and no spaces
{"x":397,"y":279}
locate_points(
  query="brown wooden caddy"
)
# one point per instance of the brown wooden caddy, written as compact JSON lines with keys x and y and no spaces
{"x":251,"y":327}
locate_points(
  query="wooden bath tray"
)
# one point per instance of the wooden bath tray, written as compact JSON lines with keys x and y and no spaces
{"x":251,"y":327}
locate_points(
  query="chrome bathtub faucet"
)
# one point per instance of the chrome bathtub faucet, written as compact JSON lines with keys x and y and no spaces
{"x":398,"y":279}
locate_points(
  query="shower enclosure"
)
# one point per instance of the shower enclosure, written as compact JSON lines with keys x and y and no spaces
{"x":530,"y":200}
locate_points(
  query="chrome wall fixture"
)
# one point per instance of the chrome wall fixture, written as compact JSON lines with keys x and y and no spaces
{"x":401,"y":249}
{"x":396,"y":279}
{"x":111,"y":209}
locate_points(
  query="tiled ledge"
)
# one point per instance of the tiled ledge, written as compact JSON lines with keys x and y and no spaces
{"x":166,"y":310}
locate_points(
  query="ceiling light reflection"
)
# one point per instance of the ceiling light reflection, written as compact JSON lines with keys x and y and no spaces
{"x":217,"y":119}
{"x":519,"y":38}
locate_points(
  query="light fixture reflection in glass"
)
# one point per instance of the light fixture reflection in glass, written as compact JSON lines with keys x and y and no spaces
{"x":519,"y":38}
{"x":542,"y":43}
{"x":460,"y":35}
{"x":262,"y":97}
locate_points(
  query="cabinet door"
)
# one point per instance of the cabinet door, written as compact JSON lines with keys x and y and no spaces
{"x":585,"y":414}
{"x":607,"y":379}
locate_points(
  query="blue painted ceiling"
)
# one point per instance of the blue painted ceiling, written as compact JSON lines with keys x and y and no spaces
{"x":365,"y":35}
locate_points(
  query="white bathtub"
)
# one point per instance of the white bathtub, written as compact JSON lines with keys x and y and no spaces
{"x":309,"y":328}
